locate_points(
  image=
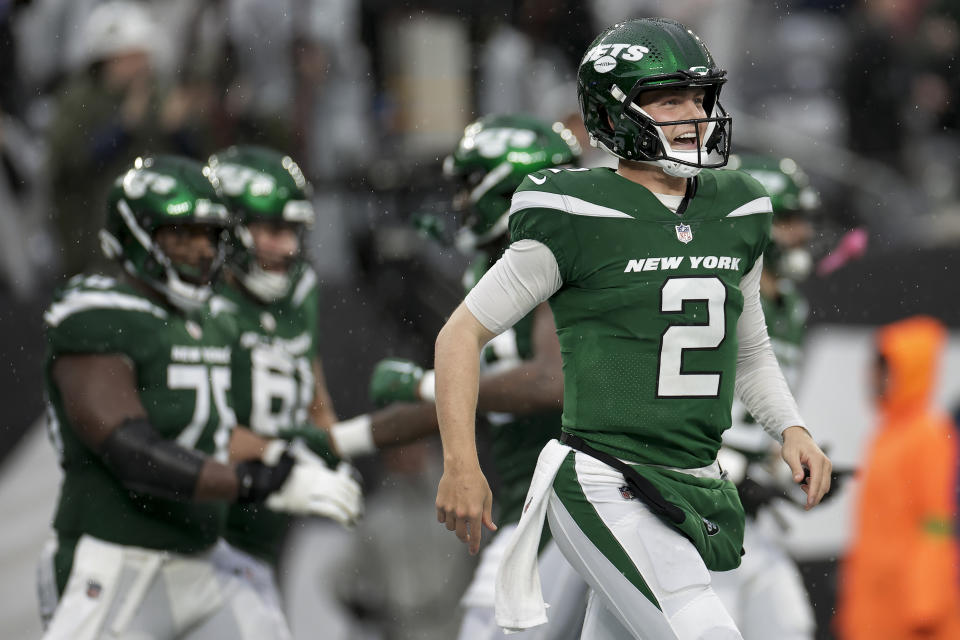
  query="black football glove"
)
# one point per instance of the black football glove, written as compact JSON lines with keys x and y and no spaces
{"x":257,"y":479}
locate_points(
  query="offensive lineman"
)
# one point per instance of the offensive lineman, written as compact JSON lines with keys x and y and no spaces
{"x":270,"y":291}
{"x":652,"y":273}
{"x":521,"y":386}
{"x":138,"y":380}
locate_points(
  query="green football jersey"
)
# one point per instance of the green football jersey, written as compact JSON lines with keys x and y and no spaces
{"x":786,"y":323}
{"x":516,"y":441}
{"x":273,"y":384}
{"x":648,"y":309}
{"x":182,"y":368}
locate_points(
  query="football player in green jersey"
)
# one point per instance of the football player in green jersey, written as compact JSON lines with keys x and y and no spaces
{"x":765,"y":594}
{"x":270,"y":291}
{"x":520,"y":388}
{"x":652,"y":272}
{"x":138,"y":382}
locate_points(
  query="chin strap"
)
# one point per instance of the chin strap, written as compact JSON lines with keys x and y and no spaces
{"x":266,"y":286}
{"x":182,"y":294}
{"x":687,"y":196}
{"x":678,"y":170}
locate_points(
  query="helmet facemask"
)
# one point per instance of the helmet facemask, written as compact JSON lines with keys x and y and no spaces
{"x":185,"y":286}
{"x":484,"y":206}
{"x":265,"y":285}
{"x":788,"y":254}
{"x":637,"y":137}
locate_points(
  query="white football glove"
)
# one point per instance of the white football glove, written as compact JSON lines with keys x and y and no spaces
{"x":314,"y":489}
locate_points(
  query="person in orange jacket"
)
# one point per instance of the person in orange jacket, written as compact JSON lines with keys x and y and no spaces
{"x":900,"y":579}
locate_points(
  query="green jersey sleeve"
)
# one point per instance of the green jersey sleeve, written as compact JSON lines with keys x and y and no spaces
{"x":95,"y":315}
{"x":538,"y":212}
{"x":754,"y":192}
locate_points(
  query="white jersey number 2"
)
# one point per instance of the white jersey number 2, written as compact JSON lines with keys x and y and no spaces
{"x":705,"y":335}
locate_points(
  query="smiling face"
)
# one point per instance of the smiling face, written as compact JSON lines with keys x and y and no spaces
{"x":672,"y":105}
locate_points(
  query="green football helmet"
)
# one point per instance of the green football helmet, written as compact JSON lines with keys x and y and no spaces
{"x":492,"y":158}
{"x":794,"y":203}
{"x":642,"y":55}
{"x":156,"y":192}
{"x":263,"y":185}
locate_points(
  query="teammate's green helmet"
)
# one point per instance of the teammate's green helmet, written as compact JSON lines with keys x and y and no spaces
{"x":792,"y":198}
{"x":156,"y":192}
{"x":786,"y":183}
{"x":643,"y":55}
{"x":492,"y":158}
{"x":263,"y":185}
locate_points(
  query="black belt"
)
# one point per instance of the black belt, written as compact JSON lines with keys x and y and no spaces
{"x":642,"y":488}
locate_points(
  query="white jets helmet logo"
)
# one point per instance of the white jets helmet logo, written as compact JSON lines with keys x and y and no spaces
{"x":491,"y":143}
{"x":629,"y":52}
{"x":235,"y":179}
{"x":604,"y":64}
{"x":136,"y":183}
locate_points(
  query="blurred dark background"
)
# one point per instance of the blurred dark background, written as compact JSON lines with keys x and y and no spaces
{"x":369,"y":96}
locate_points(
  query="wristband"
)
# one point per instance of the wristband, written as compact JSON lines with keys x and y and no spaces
{"x":354,"y":437}
{"x":428,"y":386}
{"x":272,"y":452}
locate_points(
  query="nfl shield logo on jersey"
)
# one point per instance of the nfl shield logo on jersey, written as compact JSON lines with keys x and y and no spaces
{"x":684,"y":233}
{"x":193,"y":329}
{"x":93,"y":589}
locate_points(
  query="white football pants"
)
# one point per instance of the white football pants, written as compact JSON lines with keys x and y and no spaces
{"x":765,"y":594}
{"x":116,"y":592}
{"x":648,"y":580}
{"x":563,"y":588}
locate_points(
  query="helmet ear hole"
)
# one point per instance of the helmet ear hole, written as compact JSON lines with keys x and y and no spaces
{"x":647,"y":142}
{"x":606,"y":120}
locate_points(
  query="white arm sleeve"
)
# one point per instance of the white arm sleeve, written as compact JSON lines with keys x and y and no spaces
{"x":526,"y":275}
{"x":760,"y":384}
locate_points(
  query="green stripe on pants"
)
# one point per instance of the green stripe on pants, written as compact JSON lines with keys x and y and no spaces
{"x":571,"y":495}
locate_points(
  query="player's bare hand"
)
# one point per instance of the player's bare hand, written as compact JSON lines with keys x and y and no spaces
{"x":810,"y":466}
{"x":464,"y":504}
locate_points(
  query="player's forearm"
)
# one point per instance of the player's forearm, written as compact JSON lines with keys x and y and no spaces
{"x":527,"y":388}
{"x":764,"y":392}
{"x":216,"y":482}
{"x":402,"y":423}
{"x":321,"y":411}
{"x":144,"y":462}
{"x":246,"y":445}
{"x":759,"y":383}
{"x":534,"y":385}
{"x":457,"y":368}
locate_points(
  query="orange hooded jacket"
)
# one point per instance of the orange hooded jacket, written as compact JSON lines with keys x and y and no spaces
{"x":900,"y":579}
